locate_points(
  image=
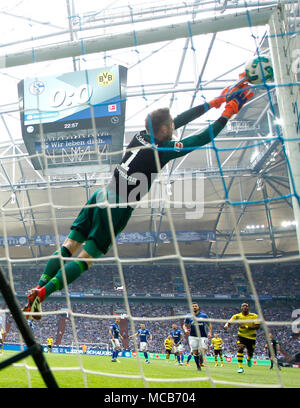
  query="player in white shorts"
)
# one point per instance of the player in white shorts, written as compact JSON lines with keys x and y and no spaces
{"x":198,"y":345}
{"x":178,"y":349}
{"x":177,"y":337}
{"x":143,"y":346}
{"x":115,"y":344}
{"x":143,"y":334}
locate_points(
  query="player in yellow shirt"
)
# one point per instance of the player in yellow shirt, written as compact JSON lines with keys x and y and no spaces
{"x":168,"y":346}
{"x":217,"y":344}
{"x":246,"y":335}
{"x":50,"y":343}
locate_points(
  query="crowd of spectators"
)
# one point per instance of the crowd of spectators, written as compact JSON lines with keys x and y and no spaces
{"x":269,"y":279}
{"x":212,"y":279}
{"x":92,"y":329}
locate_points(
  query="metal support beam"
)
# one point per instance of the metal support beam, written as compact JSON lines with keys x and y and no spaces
{"x":216,"y":24}
{"x":201,"y":76}
{"x":19,"y":209}
{"x":224,"y":203}
{"x":267,"y":180}
{"x":184,"y":128}
{"x":73,"y":36}
{"x":275,"y":166}
{"x":183,"y":56}
{"x":26,"y":191}
{"x":141,"y":15}
{"x":238,"y":221}
{"x":269,"y":220}
{"x":279,"y":181}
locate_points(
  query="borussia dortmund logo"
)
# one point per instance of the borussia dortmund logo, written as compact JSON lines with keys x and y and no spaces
{"x":105,"y":78}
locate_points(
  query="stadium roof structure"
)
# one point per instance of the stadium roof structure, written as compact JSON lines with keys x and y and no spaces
{"x":178,"y":54}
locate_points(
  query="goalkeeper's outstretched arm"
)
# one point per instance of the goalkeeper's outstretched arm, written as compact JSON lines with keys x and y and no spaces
{"x":190,"y":143}
{"x":191,"y":114}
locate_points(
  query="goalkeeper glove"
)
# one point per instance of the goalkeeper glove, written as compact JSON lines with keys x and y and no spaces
{"x":236,"y":102}
{"x":225,"y":94}
{"x":217,"y":102}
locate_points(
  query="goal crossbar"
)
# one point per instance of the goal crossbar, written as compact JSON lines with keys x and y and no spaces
{"x":142,"y":37}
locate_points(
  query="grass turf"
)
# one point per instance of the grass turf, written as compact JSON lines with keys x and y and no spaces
{"x":17,"y":376}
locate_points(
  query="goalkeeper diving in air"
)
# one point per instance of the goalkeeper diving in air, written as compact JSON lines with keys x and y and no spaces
{"x":147,"y":153}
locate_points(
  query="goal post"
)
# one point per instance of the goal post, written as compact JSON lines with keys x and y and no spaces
{"x":285,"y":50}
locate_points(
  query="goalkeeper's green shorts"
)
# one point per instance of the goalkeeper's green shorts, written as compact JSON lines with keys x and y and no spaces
{"x":92,"y":223}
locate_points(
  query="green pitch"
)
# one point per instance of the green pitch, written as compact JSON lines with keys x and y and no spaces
{"x":17,"y":376}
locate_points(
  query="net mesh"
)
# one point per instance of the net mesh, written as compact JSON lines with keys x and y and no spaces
{"x":226,"y":200}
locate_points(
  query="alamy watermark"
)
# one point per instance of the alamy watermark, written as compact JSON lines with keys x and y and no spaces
{"x":184,"y":192}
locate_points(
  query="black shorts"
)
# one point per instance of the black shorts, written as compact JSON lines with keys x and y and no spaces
{"x":218,"y":352}
{"x":168,"y":351}
{"x":248,"y":343}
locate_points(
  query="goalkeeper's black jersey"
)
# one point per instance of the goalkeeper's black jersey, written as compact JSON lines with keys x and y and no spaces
{"x":145,"y":157}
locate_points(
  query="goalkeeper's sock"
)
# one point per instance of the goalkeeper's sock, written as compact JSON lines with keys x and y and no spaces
{"x":72,"y":270}
{"x":53,"y":266}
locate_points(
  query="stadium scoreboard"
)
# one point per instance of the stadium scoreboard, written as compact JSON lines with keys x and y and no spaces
{"x":75,"y":121}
